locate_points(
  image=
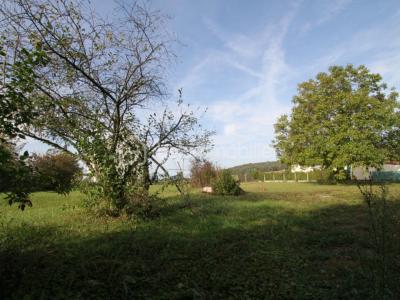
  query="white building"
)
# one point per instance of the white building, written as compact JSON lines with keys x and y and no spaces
{"x":303,"y":169}
{"x":363,"y":173}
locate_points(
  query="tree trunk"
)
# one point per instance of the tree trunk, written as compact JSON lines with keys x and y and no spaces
{"x":145,"y":178}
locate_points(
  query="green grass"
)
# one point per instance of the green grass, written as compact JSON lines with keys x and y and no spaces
{"x":278,"y":241}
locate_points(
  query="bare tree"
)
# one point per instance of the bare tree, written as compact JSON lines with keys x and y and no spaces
{"x":101,"y":95}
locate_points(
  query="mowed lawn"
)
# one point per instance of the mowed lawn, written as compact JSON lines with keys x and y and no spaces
{"x":278,"y":241}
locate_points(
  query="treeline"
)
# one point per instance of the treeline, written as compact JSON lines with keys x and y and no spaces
{"x":53,"y":171}
{"x":255,"y":171}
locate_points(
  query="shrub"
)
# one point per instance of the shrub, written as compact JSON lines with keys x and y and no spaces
{"x":202,"y":173}
{"x":55,"y":171}
{"x":324,"y":176}
{"x":139,"y":204}
{"x":225,"y":184}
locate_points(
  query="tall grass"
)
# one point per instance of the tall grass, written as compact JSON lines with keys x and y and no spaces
{"x":383,"y":265}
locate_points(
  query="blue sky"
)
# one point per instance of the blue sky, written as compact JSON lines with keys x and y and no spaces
{"x":243,"y":59}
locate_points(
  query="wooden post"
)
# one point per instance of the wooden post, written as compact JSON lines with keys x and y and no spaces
{"x":284,"y":177}
{"x":295,"y":176}
{"x":264,"y":177}
{"x":245,"y":177}
{"x":308,"y":179}
{"x":273,"y":176}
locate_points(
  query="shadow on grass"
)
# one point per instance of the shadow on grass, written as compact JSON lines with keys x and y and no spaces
{"x":209,"y":251}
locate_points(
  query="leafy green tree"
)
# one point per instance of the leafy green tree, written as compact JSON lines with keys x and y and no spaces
{"x":55,"y":171}
{"x":344,"y":117}
{"x":17,"y":82}
{"x":101,"y":95}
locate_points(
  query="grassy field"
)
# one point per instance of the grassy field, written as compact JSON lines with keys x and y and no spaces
{"x":278,"y":241}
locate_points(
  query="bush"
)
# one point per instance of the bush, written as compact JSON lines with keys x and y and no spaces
{"x":225,"y":184}
{"x":55,"y":171}
{"x":139,"y":203}
{"x":202,"y":173}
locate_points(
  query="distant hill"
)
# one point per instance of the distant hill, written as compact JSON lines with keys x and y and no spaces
{"x":260,"y":167}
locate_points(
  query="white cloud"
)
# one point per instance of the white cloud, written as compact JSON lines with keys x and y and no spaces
{"x":247,"y":120}
{"x":332,"y":9}
{"x":376,"y":47}
{"x":388,"y":65}
{"x":240,"y":44}
{"x":231,"y":129}
{"x":195,"y":76}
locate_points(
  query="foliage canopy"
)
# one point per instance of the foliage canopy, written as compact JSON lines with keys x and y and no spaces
{"x":55,"y":171}
{"x":344,"y":117}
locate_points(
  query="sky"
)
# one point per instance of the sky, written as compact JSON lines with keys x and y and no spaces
{"x":243,"y":60}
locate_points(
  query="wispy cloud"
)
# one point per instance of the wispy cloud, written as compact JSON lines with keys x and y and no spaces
{"x":376,"y":47}
{"x":332,"y":8}
{"x":247,"y":119}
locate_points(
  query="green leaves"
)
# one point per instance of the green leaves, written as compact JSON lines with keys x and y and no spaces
{"x":16,"y":176}
{"x":56,"y":171}
{"x":340,"y":118}
{"x":17,"y":82}
{"x":225,"y":184}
